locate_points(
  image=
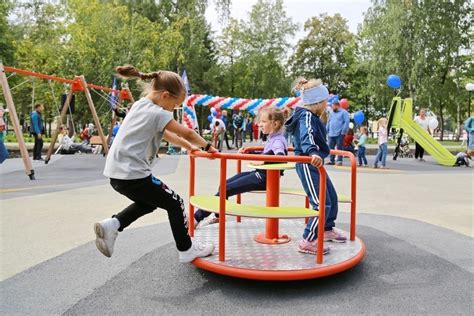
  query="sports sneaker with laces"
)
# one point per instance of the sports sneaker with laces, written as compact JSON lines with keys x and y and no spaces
{"x":334,"y":236}
{"x":106,"y":233}
{"x":198,"y":249}
{"x":310,"y":247}
{"x":211,"y":219}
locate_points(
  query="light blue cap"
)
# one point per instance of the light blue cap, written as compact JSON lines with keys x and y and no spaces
{"x":314,"y":95}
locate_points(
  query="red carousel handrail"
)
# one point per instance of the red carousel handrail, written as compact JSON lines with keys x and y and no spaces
{"x":222,"y":181}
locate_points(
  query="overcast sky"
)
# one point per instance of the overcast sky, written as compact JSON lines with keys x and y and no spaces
{"x":300,"y":11}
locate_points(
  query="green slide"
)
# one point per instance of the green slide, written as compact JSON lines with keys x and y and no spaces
{"x":401,"y":117}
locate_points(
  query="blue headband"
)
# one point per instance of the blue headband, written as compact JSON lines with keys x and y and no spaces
{"x":314,"y":95}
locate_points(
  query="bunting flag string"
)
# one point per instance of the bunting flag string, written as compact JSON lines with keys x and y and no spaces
{"x":250,"y":105}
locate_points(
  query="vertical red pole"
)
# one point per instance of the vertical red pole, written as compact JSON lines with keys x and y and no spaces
{"x":239,"y":199}
{"x":192,"y":171}
{"x":273,"y":199}
{"x":222,"y":200}
{"x":353,"y":197}
{"x":322,"y":217}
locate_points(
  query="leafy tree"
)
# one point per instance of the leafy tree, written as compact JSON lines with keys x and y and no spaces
{"x":321,"y":53}
{"x":422,"y":41}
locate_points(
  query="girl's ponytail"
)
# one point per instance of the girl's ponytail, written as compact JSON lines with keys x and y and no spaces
{"x":129,"y":71}
{"x":160,"y":80}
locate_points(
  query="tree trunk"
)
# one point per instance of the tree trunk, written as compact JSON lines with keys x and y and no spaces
{"x":441,"y":121}
{"x":458,"y":120}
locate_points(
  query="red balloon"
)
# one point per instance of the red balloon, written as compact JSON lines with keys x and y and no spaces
{"x":344,"y":104}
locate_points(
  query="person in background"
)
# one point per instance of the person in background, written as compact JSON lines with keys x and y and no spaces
{"x":337,"y":127}
{"x":255,"y":129}
{"x":227,"y":125}
{"x":37,"y":129}
{"x":86,"y":134}
{"x":218,"y":134}
{"x":239,"y":129}
{"x":3,"y":150}
{"x":115,"y":130}
{"x":68,"y":144}
{"x":424,"y":124}
{"x":462,"y":159}
{"x":469,"y":127}
{"x":361,"y":142}
{"x":382,"y":142}
{"x":347,"y":141}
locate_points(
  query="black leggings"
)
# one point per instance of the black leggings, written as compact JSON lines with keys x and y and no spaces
{"x":419,"y":151}
{"x":148,"y":194}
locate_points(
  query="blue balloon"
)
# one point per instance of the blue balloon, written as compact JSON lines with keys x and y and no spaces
{"x":213,"y":110}
{"x":359,"y":117}
{"x":394,"y":81}
{"x":209,"y":118}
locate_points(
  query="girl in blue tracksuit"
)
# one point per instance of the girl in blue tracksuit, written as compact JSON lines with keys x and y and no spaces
{"x":309,"y":139}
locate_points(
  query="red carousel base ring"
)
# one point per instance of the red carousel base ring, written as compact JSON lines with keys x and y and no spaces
{"x":248,"y":259}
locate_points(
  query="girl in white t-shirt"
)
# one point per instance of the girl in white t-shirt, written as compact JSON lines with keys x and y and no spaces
{"x":423,"y":121}
{"x":382,"y":142}
{"x":131,"y":156}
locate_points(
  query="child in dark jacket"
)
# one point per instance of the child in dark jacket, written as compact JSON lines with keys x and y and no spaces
{"x":309,"y":139}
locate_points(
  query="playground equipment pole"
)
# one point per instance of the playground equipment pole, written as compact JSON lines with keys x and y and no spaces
{"x":62,"y":116}
{"x":16,"y":126}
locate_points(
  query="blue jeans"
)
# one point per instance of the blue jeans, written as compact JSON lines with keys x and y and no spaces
{"x":381,"y":154}
{"x":361,"y":155}
{"x":336,"y":142}
{"x":3,"y":152}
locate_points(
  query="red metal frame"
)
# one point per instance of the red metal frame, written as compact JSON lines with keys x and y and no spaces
{"x":271,"y":158}
{"x":75,"y":83}
{"x":263,"y":274}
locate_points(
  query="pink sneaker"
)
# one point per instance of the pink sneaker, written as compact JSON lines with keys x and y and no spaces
{"x":310,"y":247}
{"x":334,"y":235}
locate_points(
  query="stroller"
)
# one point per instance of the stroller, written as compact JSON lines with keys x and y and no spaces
{"x":404,"y":149}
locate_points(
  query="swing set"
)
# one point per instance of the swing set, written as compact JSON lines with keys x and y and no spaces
{"x":78,"y":84}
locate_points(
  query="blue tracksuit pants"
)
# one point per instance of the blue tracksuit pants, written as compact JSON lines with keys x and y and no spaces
{"x":240,"y":183}
{"x":309,"y":177}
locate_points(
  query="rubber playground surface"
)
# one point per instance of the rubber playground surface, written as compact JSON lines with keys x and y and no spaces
{"x":416,"y":220}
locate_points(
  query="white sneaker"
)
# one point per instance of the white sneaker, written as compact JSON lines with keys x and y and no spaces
{"x":106,"y":233}
{"x":211,"y":219}
{"x":198,"y":249}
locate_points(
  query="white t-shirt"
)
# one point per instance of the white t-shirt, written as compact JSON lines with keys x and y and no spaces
{"x":425,"y":124}
{"x":135,"y":147}
{"x":65,"y":141}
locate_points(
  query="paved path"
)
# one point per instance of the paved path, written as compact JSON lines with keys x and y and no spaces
{"x":416,"y":220}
